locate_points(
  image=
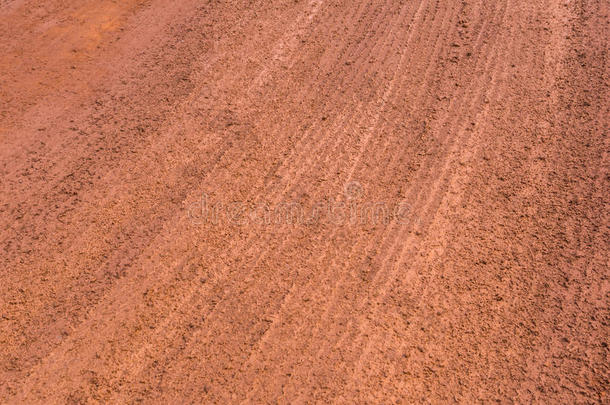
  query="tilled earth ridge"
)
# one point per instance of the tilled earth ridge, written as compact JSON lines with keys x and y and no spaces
{"x":365,"y":201}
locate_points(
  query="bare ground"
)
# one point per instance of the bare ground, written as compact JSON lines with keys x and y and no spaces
{"x":485,"y":122}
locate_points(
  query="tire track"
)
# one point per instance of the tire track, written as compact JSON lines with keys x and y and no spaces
{"x":428,"y":206}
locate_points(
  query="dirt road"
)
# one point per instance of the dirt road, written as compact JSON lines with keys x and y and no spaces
{"x":355,"y":201}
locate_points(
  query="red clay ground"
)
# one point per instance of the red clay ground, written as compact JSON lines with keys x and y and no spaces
{"x":485,"y":121}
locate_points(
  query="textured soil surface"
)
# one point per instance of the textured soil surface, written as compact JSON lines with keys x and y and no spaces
{"x":301,"y":201}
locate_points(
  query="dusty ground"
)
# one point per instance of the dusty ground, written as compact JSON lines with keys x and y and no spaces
{"x":484,"y":122}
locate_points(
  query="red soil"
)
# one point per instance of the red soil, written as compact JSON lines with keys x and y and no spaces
{"x":485,"y":121}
